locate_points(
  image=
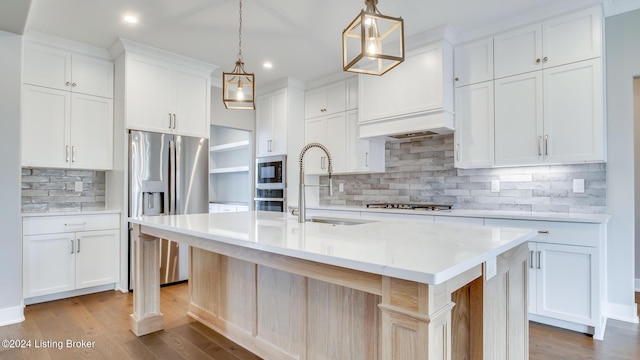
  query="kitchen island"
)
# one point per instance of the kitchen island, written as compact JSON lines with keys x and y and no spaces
{"x":353,"y":290}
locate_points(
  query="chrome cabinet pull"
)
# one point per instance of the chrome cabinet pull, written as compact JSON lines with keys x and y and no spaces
{"x":174,"y":121}
{"x":66,"y":149}
{"x":72,"y":246}
{"x":458,"y":151}
{"x":169,"y":120}
{"x":78,"y":251}
{"x":77,"y":224}
{"x":530,"y":259}
{"x":539,"y":255}
{"x":456,"y":79}
{"x":269,"y":145}
{"x":543,"y":231}
{"x":73,"y":84}
{"x":73,"y":153}
{"x":539,"y":145}
{"x":545,"y":59}
{"x":538,"y":61}
{"x":366,"y":159}
{"x":546,"y":145}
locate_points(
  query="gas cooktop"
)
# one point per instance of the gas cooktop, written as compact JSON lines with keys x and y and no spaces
{"x":427,"y":207}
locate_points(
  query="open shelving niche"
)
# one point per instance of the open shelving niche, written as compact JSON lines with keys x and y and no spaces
{"x":230,"y":170}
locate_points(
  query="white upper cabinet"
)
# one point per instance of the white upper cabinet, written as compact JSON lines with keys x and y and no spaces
{"x":166,"y":97}
{"x":573,"y":113}
{"x":518,"y":51}
{"x":66,"y":70}
{"x":473,"y":62}
{"x":67,"y":117}
{"x":271,"y":123}
{"x":326,"y":100}
{"x":474,"y":136}
{"x":362,"y":155}
{"x":519,"y":132}
{"x":558,"y":41}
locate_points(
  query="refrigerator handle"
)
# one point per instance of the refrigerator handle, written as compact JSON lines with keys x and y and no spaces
{"x":172,"y":177}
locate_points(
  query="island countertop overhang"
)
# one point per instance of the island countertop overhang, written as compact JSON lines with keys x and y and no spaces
{"x":430,"y":253}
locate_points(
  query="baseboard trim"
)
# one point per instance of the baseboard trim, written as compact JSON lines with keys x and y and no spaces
{"x":628,"y":313}
{"x":12,"y":315}
{"x":68,"y":294}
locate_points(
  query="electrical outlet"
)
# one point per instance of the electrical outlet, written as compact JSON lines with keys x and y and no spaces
{"x":341,"y":187}
{"x":78,"y":186}
{"x":578,"y":185}
{"x":495,"y":185}
{"x":490,"y":268}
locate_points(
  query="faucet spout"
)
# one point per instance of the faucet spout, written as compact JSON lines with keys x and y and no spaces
{"x":302,"y":213}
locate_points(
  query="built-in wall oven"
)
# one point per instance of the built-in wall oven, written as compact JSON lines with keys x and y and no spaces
{"x":271,"y":188}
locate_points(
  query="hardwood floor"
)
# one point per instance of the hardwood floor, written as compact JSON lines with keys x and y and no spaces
{"x":102,"y":321}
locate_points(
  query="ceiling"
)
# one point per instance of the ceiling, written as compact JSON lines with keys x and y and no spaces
{"x":302,"y":38}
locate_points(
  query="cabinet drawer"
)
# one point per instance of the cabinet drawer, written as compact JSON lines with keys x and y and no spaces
{"x":581,"y":234}
{"x":69,"y":223}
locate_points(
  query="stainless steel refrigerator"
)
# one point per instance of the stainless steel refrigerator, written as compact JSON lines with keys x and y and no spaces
{"x":168,"y":174}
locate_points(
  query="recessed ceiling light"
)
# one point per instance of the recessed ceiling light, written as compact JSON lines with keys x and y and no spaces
{"x":131,"y":19}
{"x":267,"y":65}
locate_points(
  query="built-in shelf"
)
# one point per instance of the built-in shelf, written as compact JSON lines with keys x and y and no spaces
{"x":230,"y":146}
{"x":229,"y":170}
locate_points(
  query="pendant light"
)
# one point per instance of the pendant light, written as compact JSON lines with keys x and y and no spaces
{"x":238,"y":86}
{"x":373,"y":43}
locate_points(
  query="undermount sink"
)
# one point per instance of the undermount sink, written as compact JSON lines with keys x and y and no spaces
{"x":338,"y":221}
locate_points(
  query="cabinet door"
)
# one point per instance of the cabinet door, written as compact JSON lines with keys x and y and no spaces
{"x":574,"y":37}
{"x":473,"y":62}
{"x":264,"y":125}
{"x":96,"y":258}
{"x":92,"y":76}
{"x":362,"y":155}
{"x":315,"y":103}
{"x":518,"y":51}
{"x":567,"y":282}
{"x":279,"y":118}
{"x":519,"y":119}
{"x":573,"y":113}
{"x":91,"y":132}
{"x":46,"y":115}
{"x":351,"y":94}
{"x":474,"y":136}
{"x":47,"y":66}
{"x":336,"y":142}
{"x":315,"y":159}
{"x":533,"y":277}
{"x":149,"y":100}
{"x":48,"y":264}
{"x":192,"y":102}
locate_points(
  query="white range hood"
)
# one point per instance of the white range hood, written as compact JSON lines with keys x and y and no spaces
{"x":415,"y":98}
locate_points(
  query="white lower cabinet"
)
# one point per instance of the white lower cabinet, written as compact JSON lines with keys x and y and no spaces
{"x":66,"y":253}
{"x":566,"y":274}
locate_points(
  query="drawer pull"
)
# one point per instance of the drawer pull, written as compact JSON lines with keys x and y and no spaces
{"x":78,"y":251}
{"x":78,"y":224}
{"x":530,"y":259}
{"x":72,"y":246}
{"x":543,"y":231}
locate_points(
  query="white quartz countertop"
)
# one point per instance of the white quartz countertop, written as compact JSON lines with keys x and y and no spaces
{"x":413,"y":250}
{"x":492,"y":214}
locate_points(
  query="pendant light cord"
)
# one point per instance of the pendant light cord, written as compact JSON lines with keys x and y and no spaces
{"x":240,"y":35}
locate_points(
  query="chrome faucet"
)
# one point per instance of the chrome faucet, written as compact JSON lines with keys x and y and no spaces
{"x":302,"y":213}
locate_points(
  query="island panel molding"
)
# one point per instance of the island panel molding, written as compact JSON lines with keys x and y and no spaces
{"x":285,"y":314}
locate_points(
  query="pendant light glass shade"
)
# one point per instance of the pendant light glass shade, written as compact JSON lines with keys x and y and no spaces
{"x":238,"y":90}
{"x":373,"y":43}
{"x":238,"y":86}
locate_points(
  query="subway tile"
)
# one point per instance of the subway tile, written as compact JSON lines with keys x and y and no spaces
{"x":515,"y":177}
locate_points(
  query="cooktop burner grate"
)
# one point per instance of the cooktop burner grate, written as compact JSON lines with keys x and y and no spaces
{"x":427,"y":207}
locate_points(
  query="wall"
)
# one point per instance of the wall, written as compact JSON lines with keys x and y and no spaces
{"x":11,"y":309}
{"x":636,"y":123}
{"x":422,"y":171}
{"x":53,"y":190}
{"x":622,"y":64}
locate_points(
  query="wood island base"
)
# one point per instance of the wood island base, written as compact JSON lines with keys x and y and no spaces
{"x":281,"y":307}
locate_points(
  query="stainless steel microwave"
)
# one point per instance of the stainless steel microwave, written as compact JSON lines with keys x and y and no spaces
{"x":271,"y":172}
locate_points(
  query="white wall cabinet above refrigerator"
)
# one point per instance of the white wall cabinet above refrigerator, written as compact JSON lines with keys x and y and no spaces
{"x":165,"y":92}
{"x":67,"y":118}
